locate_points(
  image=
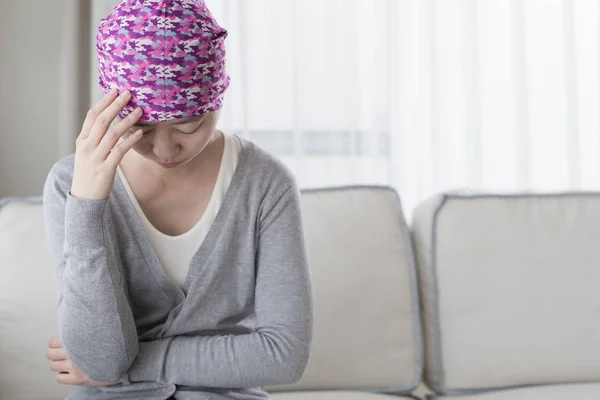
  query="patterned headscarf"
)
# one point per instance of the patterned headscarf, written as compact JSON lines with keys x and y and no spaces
{"x":169,"y":53}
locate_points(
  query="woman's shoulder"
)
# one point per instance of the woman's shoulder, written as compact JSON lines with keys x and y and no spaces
{"x":61,"y":173}
{"x":65,"y":165}
{"x":264,"y":167}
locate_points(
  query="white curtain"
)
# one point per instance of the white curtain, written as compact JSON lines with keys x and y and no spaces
{"x":423,"y":95}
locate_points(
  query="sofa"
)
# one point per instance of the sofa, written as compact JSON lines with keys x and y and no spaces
{"x":482,"y":297}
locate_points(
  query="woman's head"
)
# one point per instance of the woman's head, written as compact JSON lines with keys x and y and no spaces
{"x":178,"y":141}
{"x":170,"y":54}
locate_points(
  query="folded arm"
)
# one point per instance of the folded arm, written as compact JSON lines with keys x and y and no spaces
{"x":95,"y":322}
{"x":277,"y":351}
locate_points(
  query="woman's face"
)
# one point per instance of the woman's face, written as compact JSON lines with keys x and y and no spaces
{"x":176,"y":142}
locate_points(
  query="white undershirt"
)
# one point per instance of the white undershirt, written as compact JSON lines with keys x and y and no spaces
{"x":175,"y":252}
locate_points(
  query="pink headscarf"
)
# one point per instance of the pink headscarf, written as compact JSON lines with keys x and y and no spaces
{"x":169,"y":53}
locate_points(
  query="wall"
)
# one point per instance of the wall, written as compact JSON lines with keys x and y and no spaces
{"x":29,"y":69}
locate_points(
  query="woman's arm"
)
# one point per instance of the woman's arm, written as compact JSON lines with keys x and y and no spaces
{"x":95,"y":322}
{"x":277,"y":352}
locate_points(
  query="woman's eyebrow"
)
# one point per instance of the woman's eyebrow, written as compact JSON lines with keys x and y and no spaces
{"x":142,"y":123}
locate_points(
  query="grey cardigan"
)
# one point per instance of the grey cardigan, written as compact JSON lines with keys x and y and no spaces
{"x":242,"y":320}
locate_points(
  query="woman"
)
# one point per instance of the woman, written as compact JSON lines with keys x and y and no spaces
{"x":180,"y":266}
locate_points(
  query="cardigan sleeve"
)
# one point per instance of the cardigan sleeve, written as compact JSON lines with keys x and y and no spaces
{"x":95,"y":322}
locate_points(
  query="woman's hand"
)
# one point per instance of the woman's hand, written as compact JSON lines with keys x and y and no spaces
{"x":98,"y":152}
{"x":68,"y":373}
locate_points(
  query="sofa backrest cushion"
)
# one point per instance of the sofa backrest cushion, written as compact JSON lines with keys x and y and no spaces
{"x":510,"y":287}
{"x":367,"y":330}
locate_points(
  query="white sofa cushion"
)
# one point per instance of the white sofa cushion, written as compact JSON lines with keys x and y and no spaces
{"x":366,"y":331}
{"x":335,"y":395}
{"x":582,"y":391}
{"x":510,"y":289}
{"x":27,"y":304}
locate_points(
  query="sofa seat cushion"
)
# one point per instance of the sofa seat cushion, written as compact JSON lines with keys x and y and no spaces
{"x":584,"y":391}
{"x":335,"y":395}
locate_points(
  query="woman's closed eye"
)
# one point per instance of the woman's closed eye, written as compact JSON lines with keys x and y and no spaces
{"x":189,"y":128}
{"x":188,"y":131}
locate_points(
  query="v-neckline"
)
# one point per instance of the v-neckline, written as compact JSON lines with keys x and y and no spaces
{"x":196,"y":265}
{"x":146,"y":221}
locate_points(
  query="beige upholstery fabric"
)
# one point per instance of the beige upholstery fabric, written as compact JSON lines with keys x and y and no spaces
{"x":27,"y":306}
{"x":366,"y":326}
{"x":334,"y":395}
{"x":510,"y":289}
{"x":552,"y":392}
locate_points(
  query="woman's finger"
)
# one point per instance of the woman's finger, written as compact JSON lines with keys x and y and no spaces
{"x":94,"y":112}
{"x":61,"y":366}
{"x":56,"y":354}
{"x":110,"y":140}
{"x":106,"y":117}
{"x":66,"y":379}
{"x":117,"y":153}
{"x":54,"y":342}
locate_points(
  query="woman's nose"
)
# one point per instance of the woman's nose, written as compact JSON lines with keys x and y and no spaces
{"x":165,"y":148}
